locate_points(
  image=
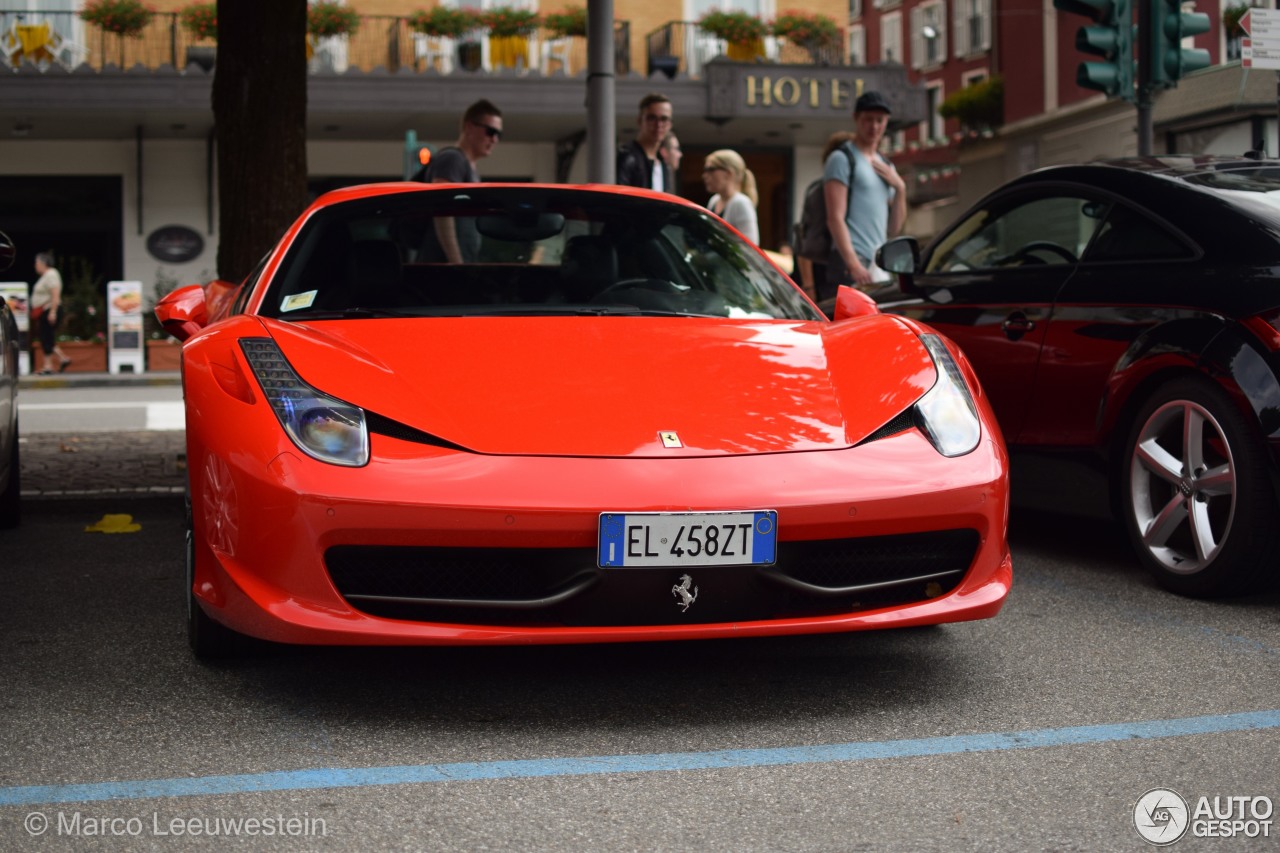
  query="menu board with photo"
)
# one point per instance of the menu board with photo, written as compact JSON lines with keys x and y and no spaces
{"x":124,"y":327}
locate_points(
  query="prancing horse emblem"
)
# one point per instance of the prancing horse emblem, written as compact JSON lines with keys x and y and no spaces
{"x":681,"y":591}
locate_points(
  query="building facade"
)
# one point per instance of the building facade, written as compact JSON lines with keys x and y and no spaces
{"x":107,"y":142}
{"x":110,"y":138}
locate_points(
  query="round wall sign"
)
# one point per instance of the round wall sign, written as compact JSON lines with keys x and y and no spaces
{"x":176,"y":244}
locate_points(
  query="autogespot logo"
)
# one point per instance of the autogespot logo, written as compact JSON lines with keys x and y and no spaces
{"x":1160,"y":816}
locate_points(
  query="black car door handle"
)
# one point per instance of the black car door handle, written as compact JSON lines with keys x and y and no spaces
{"x":1017,"y":324}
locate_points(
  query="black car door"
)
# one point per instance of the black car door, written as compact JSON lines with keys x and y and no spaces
{"x":1125,"y":284}
{"x":990,"y":281}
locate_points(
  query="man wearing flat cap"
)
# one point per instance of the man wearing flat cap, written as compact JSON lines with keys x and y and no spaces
{"x":866,"y":197}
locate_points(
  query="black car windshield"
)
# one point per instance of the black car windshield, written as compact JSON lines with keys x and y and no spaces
{"x":511,"y":250}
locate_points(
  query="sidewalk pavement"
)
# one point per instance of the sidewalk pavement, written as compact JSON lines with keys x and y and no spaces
{"x":145,"y":463}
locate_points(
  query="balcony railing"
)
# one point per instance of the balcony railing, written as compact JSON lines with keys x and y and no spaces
{"x":683,"y":47}
{"x":61,"y":38}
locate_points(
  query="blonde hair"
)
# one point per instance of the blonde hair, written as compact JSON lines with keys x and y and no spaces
{"x":840,"y":137}
{"x":732,"y":162}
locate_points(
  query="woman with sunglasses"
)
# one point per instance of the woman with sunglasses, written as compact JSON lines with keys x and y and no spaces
{"x":725,"y":174}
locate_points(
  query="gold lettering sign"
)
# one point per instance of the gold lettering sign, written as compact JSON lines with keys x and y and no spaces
{"x":787,"y":91}
{"x":765,"y":91}
{"x":766,"y":94}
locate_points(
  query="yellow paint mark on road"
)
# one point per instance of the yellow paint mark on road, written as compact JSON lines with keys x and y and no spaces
{"x":114,"y":524}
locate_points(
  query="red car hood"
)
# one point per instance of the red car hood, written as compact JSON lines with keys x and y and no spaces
{"x":611,"y":386}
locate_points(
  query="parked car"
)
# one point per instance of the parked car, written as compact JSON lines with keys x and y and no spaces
{"x":1131,"y":309}
{"x":10,"y":471}
{"x":612,"y":419}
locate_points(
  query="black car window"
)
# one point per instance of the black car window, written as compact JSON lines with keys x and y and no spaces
{"x":1129,"y":235}
{"x":1044,"y":230}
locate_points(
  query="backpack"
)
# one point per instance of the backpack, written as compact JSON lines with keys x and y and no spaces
{"x":423,"y":175}
{"x":810,"y":237}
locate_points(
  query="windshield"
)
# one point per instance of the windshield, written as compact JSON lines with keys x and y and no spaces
{"x":524,"y":250}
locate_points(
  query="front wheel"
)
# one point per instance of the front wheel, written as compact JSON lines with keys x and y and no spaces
{"x":1198,"y":502}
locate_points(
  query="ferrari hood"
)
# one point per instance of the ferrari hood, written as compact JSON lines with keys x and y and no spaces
{"x":619,"y":386}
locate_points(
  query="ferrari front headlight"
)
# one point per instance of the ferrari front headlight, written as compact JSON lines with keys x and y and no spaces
{"x":323,"y":427}
{"x":946,"y":414}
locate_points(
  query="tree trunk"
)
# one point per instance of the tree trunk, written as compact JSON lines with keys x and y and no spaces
{"x":260,"y":116}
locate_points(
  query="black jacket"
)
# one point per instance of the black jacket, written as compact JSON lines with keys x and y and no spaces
{"x":636,"y":170}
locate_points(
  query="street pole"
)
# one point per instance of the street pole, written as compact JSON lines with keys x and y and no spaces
{"x":602,"y":116}
{"x":1145,"y":120}
{"x":1145,"y":130}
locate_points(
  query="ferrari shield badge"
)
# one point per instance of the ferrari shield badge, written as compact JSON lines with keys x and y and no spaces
{"x":670,"y":439}
{"x":684,"y":596}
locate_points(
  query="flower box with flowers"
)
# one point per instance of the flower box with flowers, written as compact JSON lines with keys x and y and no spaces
{"x":86,"y":356}
{"x":567,"y":22}
{"x":327,"y":19}
{"x":509,"y":30}
{"x":122,"y":17}
{"x":200,"y":20}
{"x":444,"y":21}
{"x":743,"y":33}
{"x":813,"y":32}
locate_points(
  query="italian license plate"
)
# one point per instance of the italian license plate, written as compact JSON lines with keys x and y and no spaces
{"x":641,"y":539}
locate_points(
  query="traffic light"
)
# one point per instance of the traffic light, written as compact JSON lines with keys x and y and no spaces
{"x":1170,"y":61}
{"x":1111,"y":37}
{"x":415,"y":156}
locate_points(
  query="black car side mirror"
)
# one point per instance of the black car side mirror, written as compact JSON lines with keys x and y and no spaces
{"x":8,"y":252}
{"x":901,"y":256}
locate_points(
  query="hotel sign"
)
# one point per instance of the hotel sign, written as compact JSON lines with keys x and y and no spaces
{"x":798,"y":92}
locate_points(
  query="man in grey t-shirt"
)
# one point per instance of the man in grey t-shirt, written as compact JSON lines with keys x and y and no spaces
{"x":457,"y":240}
{"x":860,"y":221}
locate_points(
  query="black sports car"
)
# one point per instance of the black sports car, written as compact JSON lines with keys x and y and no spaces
{"x":1130,"y":308}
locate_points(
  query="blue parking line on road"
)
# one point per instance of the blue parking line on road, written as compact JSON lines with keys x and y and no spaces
{"x":302,"y":780}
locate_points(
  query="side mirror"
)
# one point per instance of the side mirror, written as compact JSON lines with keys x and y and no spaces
{"x":851,"y":302}
{"x":901,"y":256}
{"x":8,"y":252}
{"x":183,"y":312}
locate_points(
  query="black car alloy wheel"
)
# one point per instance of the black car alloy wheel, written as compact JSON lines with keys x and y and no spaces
{"x":1199,"y":505}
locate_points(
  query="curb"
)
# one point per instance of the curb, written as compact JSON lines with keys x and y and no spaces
{"x":99,"y":380}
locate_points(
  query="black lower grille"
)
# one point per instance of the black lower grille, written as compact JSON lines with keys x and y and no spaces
{"x":874,"y":561}
{"x":514,"y":586}
{"x":510,"y":575}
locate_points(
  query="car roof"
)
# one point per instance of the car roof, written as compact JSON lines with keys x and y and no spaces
{"x":1210,"y":171}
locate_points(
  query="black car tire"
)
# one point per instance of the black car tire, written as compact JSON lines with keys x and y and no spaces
{"x":209,"y":640}
{"x":1197,"y":498}
{"x":10,"y":499}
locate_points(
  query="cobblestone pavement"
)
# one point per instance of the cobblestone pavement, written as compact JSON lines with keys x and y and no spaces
{"x":77,"y":465}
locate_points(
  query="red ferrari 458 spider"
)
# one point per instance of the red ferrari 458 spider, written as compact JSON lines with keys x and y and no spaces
{"x":479,"y":414}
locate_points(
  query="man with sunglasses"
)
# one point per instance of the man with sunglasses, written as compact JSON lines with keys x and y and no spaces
{"x":456,"y":241}
{"x":639,"y":164}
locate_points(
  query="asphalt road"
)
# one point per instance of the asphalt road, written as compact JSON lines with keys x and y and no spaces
{"x":100,"y":688}
{"x":1037,"y":730}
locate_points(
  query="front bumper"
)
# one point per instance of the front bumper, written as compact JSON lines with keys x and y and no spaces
{"x":288,"y":549}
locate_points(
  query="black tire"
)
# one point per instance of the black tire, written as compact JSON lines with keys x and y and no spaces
{"x":10,"y":498}
{"x":209,"y":639}
{"x":1196,"y":493}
